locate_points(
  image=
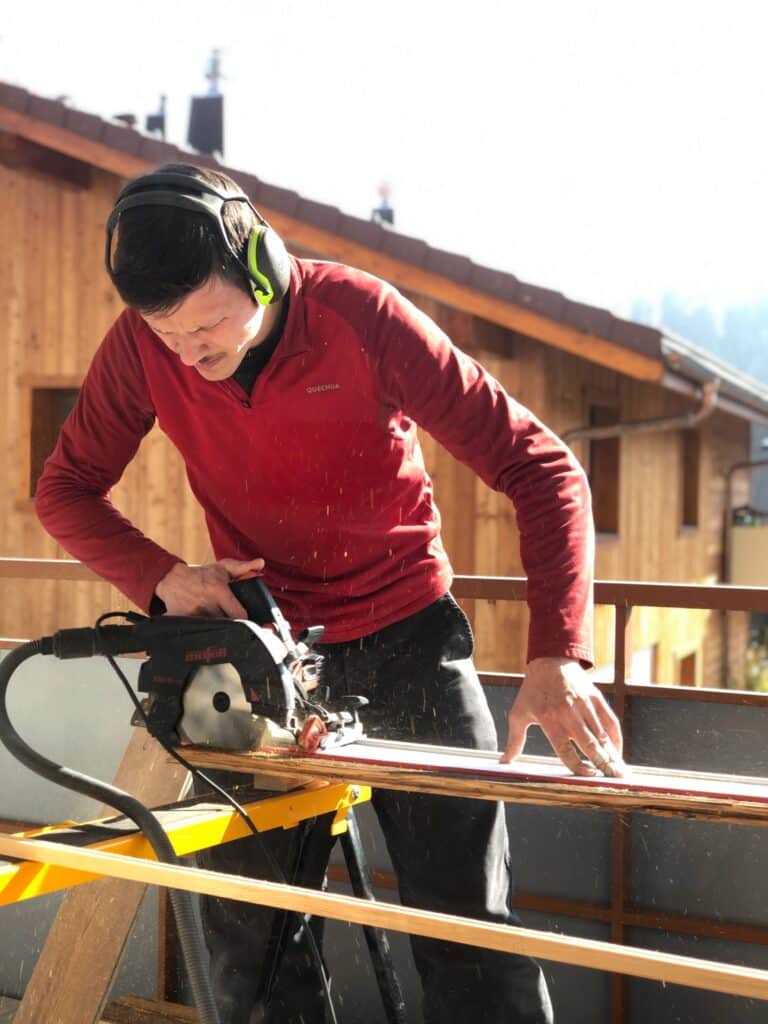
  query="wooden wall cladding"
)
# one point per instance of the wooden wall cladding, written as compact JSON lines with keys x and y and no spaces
{"x":57,"y":304}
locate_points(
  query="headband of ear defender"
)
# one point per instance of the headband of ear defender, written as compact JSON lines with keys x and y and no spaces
{"x":266,"y":264}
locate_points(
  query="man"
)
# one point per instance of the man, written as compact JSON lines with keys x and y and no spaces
{"x":292,"y":389}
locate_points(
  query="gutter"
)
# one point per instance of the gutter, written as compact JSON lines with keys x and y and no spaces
{"x":708,"y":393}
{"x":687,"y":367}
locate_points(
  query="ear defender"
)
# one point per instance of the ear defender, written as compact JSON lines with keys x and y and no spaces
{"x":268,"y":266}
{"x":265,"y":263}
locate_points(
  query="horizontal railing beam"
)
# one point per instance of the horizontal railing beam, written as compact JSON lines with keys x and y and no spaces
{"x":45,"y":569}
{"x":626,"y":593}
{"x":623,"y":593}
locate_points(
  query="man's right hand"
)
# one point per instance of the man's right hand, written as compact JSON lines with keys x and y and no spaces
{"x":204,"y":589}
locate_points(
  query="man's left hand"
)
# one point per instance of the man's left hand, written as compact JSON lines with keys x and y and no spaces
{"x":558,"y":695}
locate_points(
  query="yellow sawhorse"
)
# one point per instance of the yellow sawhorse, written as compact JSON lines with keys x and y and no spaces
{"x":191,"y":826}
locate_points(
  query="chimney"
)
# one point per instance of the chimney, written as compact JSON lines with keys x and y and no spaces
{"x":206,"y":116}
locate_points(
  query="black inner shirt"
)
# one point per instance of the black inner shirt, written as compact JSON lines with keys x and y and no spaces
{"x":256,"y":358}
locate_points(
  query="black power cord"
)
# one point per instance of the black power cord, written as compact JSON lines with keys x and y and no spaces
{"x":190,"y":934}
{"x":304,"y":926}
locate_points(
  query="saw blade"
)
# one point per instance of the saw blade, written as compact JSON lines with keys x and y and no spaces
{"x":215,"y":710}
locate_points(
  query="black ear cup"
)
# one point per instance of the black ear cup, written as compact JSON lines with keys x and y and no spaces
{"x":268,"y":265}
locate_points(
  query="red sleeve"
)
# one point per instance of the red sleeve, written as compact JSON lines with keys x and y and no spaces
{"x":101,"y":436}
{"x":468,"y":412}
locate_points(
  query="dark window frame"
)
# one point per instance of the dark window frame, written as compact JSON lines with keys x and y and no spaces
{"x":604,"y":461}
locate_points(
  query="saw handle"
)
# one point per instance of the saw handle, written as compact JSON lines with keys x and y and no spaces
{"x":254,"y":596}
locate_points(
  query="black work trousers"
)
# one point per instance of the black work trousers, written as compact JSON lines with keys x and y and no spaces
{"x":449,"y":854}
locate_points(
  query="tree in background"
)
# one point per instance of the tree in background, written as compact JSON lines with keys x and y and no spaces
{"x":738,"y":334}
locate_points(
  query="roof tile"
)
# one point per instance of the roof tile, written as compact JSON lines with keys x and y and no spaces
{"x":282,"y":200}
{"x":449,"y":264}
{"x":51,"y":111}
{"x":540,"y":300}
{"x":494,"y":282}
{"x":156,"y":151}
{"x":319,"y":214}
{"x":588,"y":318}
{"x":122,"y":138}
{"x":87,"y":125}
{"x":364,"y":232}
{"x":636,"y":336}
{"x":403,"y":247}
{"x":14,"y":98}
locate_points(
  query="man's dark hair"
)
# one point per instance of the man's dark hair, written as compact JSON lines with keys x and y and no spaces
{"x":162,"y":253}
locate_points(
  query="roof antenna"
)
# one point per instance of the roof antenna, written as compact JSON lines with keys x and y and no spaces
{"x":213,"y":73}
{"x":384,"y":214}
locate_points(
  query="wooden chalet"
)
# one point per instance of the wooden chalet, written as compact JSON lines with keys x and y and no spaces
{"x":660,"y":490}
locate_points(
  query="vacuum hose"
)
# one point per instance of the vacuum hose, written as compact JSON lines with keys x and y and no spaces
{"x":190,"y":935}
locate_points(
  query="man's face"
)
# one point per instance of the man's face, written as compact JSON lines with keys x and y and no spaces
{"x":213,"y":328}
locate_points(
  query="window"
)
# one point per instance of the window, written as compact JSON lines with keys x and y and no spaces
{"x":604,"y":471}
{"x":690,"y":448}
{"x":49,"y":407}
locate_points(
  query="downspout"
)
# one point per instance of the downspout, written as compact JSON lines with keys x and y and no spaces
{"x":683,"y":421}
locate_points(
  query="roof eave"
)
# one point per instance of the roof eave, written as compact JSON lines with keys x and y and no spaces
{"x":686,"y":367}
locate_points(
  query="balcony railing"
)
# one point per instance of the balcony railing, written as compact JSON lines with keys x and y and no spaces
{"x":618,"y":913}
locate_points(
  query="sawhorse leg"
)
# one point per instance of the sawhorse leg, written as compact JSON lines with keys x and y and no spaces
{"x":316,"y":850}
{"x":376,"y":938}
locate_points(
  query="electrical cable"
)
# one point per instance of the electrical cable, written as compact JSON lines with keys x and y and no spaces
{"x":304,"y":926}
{"x":190,"y":934}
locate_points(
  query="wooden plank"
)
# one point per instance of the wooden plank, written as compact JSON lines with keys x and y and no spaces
{"x":533,"y":780}
{"x":45,"y":569}
{"x":75,"y":969}
{"x":127,"y":1010}
{"x":642,"y":963}
{"x":133,"y":1010}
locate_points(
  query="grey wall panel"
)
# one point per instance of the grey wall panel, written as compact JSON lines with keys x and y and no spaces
{"x":701,"y":868}
{"x":74,"y":712}
{"x":677,"y":1004}
{"x":560,"y":851}
{"x":699,"y":736}
{"x":23,"y":928}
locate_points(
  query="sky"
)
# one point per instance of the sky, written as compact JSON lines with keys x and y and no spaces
{"x":608,"y":149}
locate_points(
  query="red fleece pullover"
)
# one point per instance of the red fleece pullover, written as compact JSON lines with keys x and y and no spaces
{"x":320,"y":471}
